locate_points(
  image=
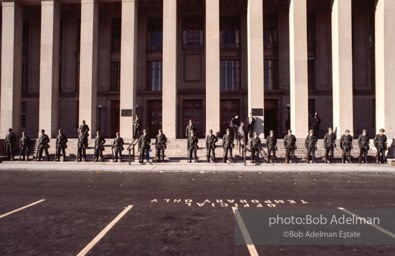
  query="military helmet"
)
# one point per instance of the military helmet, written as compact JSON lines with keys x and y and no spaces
{"x":382,"y":130}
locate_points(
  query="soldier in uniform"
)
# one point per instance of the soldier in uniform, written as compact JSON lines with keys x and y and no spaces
{"x":160,"y":146}
{"x":193,"y":146}
{"x":82,"y":145}
{"x":271,"y":143}
{"x":24,"y":144}
{"x":255,"y":148}
{"x":290,"y":146}
{"x":316,"y":124}
{"x":84,"y":129}
{"x":144,"y":146}
{"x":363,"y":143}
{"x":380,"y":142}
{"x":99,"y":147}
{"x":61,"y":145}
{"x":311,"y":145}
{"x":227,"y":143}
{"x":211,"y":139}
{"x":346,"y":146}
{"x":234,"y":124}
{"x":43,"y":145}
{"x":329,"y":144}
{"x":117,"y":146}
{"x":251,"y":125}
{"x":9,"y":144}
{"x":137,"y":128}
{"x":242,"y":134}
{"x":190,"y":127}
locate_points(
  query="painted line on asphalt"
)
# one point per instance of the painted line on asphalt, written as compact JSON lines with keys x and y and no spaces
{"x":104,"y":232}
{"x":383,"y":230}
{"x":21,"y":209}
{"x":244,"y":232}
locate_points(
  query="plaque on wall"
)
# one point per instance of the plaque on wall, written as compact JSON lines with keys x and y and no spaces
{"x":257,"y":111}
{"x":127,"y":112}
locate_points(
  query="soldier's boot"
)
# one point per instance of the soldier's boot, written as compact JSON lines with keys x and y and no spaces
{"x":343,"y":159}
{"x":359,"y":160}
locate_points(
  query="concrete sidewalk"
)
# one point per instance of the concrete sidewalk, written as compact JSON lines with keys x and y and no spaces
{"x":193,"y":167}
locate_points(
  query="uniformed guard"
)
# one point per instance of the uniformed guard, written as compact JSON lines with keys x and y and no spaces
{"x":190,"y":127}
{"x":193,"y":146}
{"x":144,"y":146}
{"x":117,"y":146}
{"x":311,"y":146}
{"x":380,"y":142}
{"x":363,"y":143}
{"x":9,"y":144}
{"x":251,"y":125}
{"x":234,"y":124}
{"x":160,"y":146}
{"x":137,"y":128}
{"x":43,"y":145}
{"x":82,"y":145}
{"x":99,"y":147}
{"x":290,"y":146}
{"x":255,"y":148}
{"x":330,"y":144}
{"x":61,"y":145}
{"x":24,"y":145}
{"x":211,"y":139}
{"x":84,"y":129}
{"x":242,"y":134}
{"x":346,"y":146}
{"x":271,"y":143}
{"x":227,"y":143}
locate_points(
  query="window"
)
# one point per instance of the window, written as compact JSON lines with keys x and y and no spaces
{"x":155,"y":76}
{"x":155,"y":37}
{"x":271,"y":74}
{"x":230,"y":75}
{"x":115,"y":76}
{"x":230,"y":32}
{"x":23,"y":114}
{"x":270,"y":31}
{"x":311,"y":74}
{"x":192,"y":34}
{"x":116,"y":34}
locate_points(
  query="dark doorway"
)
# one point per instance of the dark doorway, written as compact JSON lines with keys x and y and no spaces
{"x":114,"y":117}
{"x":193,"y":109}
{"x":154,"y":122}
{"x":271,"y":120}
{"x":229,"y":109}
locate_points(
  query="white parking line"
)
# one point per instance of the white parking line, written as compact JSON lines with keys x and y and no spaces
{"x":244,"y":231}
{"x":104,"y":232}
{"x":388,"y":233}
{"x":20,"y":209}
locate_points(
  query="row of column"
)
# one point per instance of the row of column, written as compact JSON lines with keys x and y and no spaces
{"x":11,"y":65}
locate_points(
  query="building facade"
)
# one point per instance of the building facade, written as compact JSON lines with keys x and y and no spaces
{"x":169,"y":61}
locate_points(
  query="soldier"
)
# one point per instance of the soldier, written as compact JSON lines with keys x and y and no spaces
{"x":251,"y":124}
{"x":84,"y":129}
{"x":160,"y":146}
{"x":242,"y":134}
{"x":144,"y":146}
{"x":271,"y":143}
{"x":61,"y":145}
{"x":99,"y":147}
{"x":363,"y":143}
{"x":9,"y":144}
{"x":235,"y":123}
{"x":316,"y":124}
{"x":227,"y":143}
{"x":380,"y":142}
{"x":346,"y":146}
{"x":190,"y":127}
{"x":43,"y":146}
{"x":211,"y":139}
{"x":255,"y":148}
{"x":24,"y":144}
{"x":311,"y":145}
{"x":193,"y":146}
{"x":117,"y":146}
{"x":137,"y":128}
{"x":82,"y":145}
{"x":290,"y":146}
{"x":329,"y":144}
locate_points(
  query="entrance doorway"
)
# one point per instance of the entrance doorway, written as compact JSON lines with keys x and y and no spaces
{"x":114,"y":117}
{"x":271,"y":120}
{"x":193,"y":110}
{"x":154,"y":121}
{"x":229,"y":109}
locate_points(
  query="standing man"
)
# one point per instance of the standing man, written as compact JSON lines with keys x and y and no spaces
{"x":136,"y":128}
{"x":117,"y":147}
{"x":211,"y":139}
{"x":99,"y":147}
{"x":193,"y":146}
{"x":190,"y":127}
{"x":251,"y":125}
{"x":380,"y":142}
{"x":255,"y":148}
{"x":61,"y":145}
{"x":346,"y":146}
{"x":330,"y":144}
{"x":311,"y":145}
{"x":235,"y":123}
{"x":271,"y":143}
{"x":43,"y":145}
{"x":363,"y":143}
{"x":144,"y":146}
{"x":160,"y":145}
{"x":316,"y":124}
{"x":84,"y":129}
{"x":9,"y":144}
{"x":242,"y":134}
{"x":82,"y":145}
{"x":227,"y":143}
{"x":290,"y":146}
{"x":24,"y":144}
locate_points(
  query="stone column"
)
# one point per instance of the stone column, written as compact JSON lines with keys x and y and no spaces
{"x":49,"y":66}
{"x":88,"y":63}
{"x":212,"y":66}
{"x":169,"y":86}
{"x":385,"y":66}
{"x":342,"y":88}
{"x":11,"y":67}
{"x":298,"y":68}
{"x":256,"y":102}
{"x":128,"y":67}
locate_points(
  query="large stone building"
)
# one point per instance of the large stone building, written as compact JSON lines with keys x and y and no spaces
{"x":173,"y":60}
